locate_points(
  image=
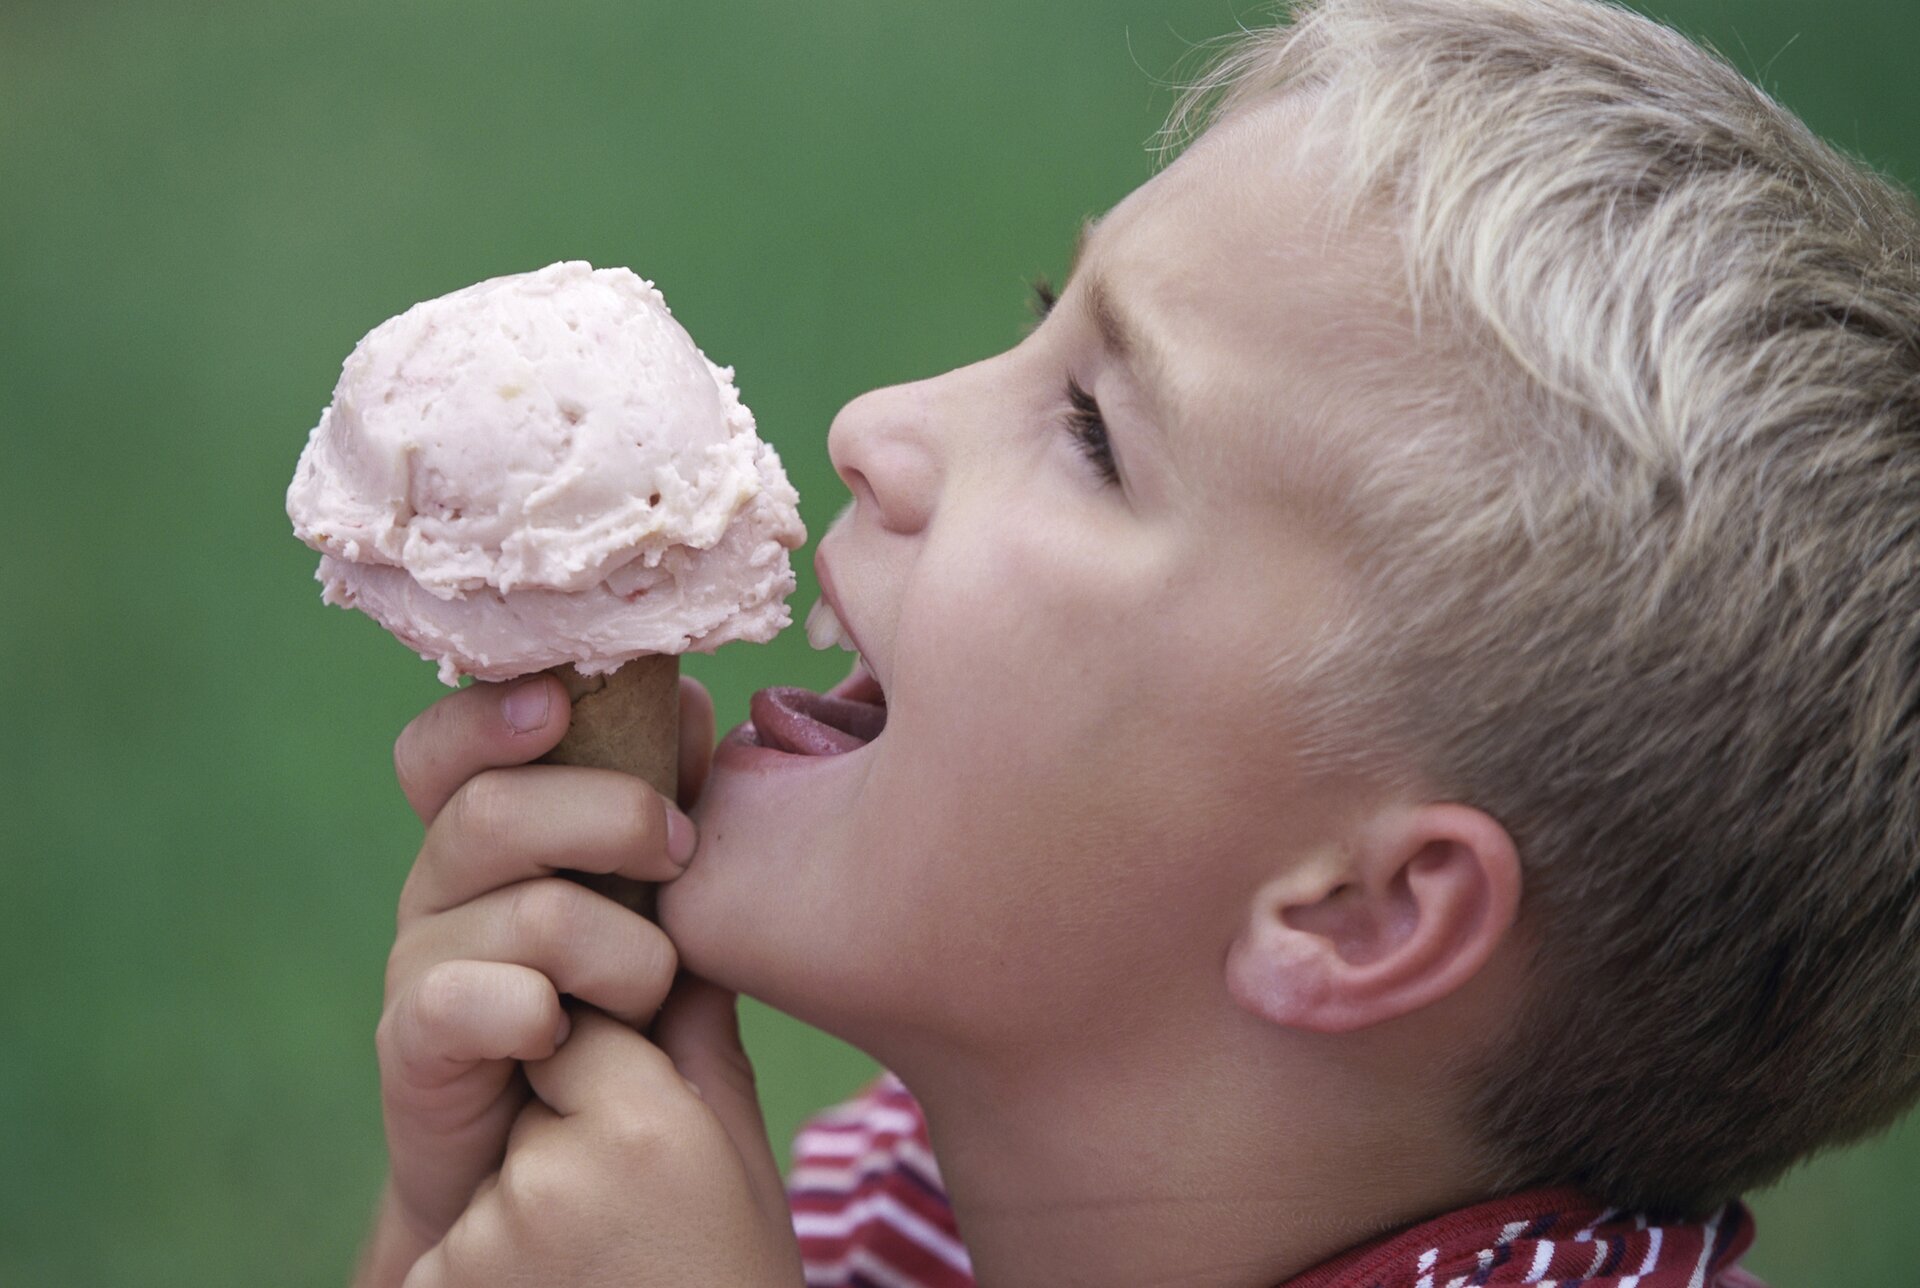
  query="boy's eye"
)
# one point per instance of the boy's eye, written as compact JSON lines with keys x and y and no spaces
{"x":1084,"y":421}
{"x":1089,"y":430}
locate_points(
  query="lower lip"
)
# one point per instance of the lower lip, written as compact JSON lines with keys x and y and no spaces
{"x":741,"y":752}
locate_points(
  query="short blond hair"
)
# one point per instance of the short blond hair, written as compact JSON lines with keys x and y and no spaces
{"x":1650,"y":595}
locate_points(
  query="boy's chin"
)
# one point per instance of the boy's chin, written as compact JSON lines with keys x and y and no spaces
{"x":713,"y":933}
{"x":757,"y":942}
{"x":724,"y":916}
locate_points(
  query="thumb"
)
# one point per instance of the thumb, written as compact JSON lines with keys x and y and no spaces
{"x":699,"y":1029}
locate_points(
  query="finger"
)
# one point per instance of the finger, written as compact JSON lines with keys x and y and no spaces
{"x":479,"y":727}
{"x":542,"y":1168}
{"x":460,"y":1013}
{"x":472,"y":1252}
{"x":587,"y":945}
{"x":509,"y":825}
{"x":605,"y":1063}
{"x":696,"y":739}
{"x":431,"y":1270}
{"x":533,"y":1127}
{"x":448,"y":1076}
{"x":699,"y":1029}
{"x":546,"y":1192}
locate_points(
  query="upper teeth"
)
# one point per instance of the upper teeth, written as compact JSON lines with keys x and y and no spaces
{"x":824,"y":629}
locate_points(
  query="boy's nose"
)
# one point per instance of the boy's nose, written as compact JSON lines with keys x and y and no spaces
{"x":880,"y":446}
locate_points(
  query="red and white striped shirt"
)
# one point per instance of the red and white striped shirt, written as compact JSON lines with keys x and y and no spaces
{"x":867,"y":1200}
{"x":871,"y":1212}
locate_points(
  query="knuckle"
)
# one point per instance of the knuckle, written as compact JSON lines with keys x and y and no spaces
{"x":642,"y":816}
{"x":660,"y":960}
{"x":440,"y":997}
{"x":533,"y":1182}
{"x":547,"y":912}
{"x":481,"y":809}
{"x":643,"y":1133}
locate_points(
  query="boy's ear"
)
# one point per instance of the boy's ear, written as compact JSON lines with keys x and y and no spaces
{"x":1399,"y":918}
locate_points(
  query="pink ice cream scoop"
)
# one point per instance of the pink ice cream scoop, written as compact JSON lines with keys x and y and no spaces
{"x":543,"y":471}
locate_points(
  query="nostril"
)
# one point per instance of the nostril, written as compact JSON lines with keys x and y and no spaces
{"x":880,"y":446}
{"x":863,"y":497}
{"x":899,"y":499}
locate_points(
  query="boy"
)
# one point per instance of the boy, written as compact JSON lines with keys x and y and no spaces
{"x":1385,"y":749}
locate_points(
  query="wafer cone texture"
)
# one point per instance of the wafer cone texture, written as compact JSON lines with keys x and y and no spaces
{"x":628,"y":720}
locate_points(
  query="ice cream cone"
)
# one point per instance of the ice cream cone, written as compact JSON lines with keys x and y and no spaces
{"x":542,"y":471}
{"x":628,"y":720}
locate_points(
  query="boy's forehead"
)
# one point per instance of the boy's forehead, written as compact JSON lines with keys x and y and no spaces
{"x":1263,"y":309}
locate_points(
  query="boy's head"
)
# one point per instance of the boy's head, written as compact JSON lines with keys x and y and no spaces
{"x":1517,"y":422}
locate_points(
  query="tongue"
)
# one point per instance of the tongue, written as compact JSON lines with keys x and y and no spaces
{"x":814,"y":724}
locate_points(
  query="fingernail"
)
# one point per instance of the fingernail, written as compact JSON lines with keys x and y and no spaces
{"x":681,"y":837}
{"x":566,"y":1027}
{"x":526,"y":707}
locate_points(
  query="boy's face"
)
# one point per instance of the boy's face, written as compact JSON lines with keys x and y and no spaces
{"x":1087,"y":767}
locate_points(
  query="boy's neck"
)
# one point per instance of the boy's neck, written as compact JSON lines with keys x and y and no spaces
{"x":1246,"y":1168}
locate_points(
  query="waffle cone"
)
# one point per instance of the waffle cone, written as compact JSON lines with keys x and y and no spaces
{"x":629,"y":721}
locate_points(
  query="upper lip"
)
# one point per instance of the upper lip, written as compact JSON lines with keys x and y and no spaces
{"x":824,"y":575}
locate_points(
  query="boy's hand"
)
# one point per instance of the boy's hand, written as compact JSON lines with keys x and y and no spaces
{"x":489,"y":936}
{"x":625,"y":1171}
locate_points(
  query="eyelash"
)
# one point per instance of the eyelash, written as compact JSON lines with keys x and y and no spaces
{"x":1089,"y":430}
{"x":1084,"y":421}
{"x":1044,"y":298}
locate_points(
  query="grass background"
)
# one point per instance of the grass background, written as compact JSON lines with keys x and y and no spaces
{"x":202,"y":207}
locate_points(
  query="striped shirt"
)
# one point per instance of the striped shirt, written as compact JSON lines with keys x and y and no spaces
{"x":870,"y":1212}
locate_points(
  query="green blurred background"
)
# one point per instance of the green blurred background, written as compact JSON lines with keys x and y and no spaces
{"x":202,"y":207}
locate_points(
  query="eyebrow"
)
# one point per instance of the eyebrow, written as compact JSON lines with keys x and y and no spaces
{"x":1117,"y":332}
{"x":1121,"y":335}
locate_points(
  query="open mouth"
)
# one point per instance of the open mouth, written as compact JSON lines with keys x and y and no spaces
{"x":804,"y":723}
{"x":799,"y":722}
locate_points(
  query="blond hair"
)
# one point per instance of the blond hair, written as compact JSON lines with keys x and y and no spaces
{"x":1648,"y":593}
